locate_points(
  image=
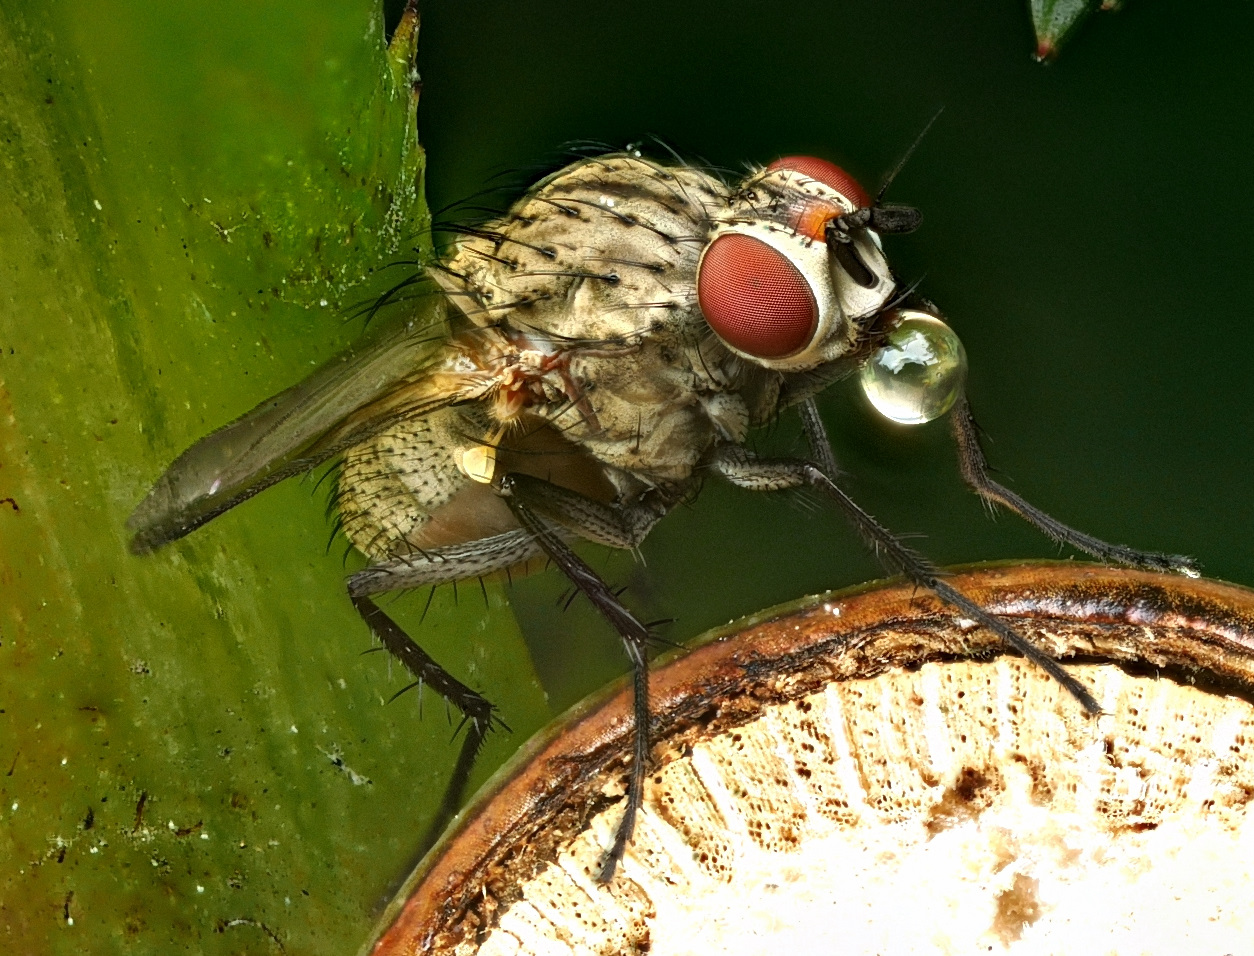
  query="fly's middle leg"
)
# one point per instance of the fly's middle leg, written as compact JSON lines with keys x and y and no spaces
{"x":743,"y":468}
{"x":538,"y":505}
{"x":615,"y":526}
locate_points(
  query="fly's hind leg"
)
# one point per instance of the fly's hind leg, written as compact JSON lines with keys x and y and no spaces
{"x":538,"y":505}
{"x":431,"y":568}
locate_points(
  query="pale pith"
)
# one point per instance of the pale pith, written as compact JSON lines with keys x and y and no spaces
{"x":954,"y":808}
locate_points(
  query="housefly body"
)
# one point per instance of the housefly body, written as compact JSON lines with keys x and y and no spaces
{"x":584,"y":363}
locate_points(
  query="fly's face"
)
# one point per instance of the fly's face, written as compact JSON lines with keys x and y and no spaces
{"x":792,"y":271}
{"x":794,"y":277}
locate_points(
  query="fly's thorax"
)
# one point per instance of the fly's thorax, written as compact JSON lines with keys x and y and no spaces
{"x":647,"y":413}
{"x":605,"y":248}
{"x":597,"y":268}
{"x":778,"y":282}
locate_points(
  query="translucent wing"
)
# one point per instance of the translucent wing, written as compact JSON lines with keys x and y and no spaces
{"x":353,"y":396}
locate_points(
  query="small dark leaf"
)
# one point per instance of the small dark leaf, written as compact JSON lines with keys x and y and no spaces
{"x":1055,"y":21}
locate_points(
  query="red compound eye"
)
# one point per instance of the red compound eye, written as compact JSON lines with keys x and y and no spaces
{"x":829,"y":174}
{"x":754,"y":298}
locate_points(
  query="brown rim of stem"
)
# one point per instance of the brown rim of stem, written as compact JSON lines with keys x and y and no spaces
{"x":1200,"y":631}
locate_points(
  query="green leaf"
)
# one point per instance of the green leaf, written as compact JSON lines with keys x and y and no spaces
{"x":194,"y":754}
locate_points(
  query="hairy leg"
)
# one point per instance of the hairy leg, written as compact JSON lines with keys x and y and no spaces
{"x":537,"y":504}
{"x":974,"y":467}
{"x":746,"y":470}
{"x":548,"y":513}
{"x":435,"y":567}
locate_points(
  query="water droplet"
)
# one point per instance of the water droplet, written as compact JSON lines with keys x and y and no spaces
{"x":917,"y":375}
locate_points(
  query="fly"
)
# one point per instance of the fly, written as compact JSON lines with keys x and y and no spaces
{"x":584,"y":363}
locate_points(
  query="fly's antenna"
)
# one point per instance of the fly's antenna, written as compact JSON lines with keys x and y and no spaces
{"x":901,"y":163}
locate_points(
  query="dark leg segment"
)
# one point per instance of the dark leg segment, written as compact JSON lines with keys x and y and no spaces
{"x":816,"y":435}
{"x":974,"y":467}
{"x":616,"y":526}
{"x":745,"y":469}
{"x":444,"y":565}
{"x":476,"y":708}
{"x":619,"y":527}
{"x":478,"y":714}
{"x":522,"y":495}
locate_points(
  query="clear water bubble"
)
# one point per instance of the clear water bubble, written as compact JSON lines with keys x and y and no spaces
{"x":917,"y":375}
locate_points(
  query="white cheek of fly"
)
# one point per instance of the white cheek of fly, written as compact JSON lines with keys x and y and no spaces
{"x":917,"y":375}
{"x":855,"y":300}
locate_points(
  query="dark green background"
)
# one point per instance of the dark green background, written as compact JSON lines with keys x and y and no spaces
{"x":1087,"y":229}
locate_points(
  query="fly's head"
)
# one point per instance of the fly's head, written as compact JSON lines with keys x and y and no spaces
{"x":794,"y":270}
{"x":794,"y":277}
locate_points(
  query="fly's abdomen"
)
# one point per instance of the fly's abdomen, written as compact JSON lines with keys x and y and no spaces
{"x":403,"y":491}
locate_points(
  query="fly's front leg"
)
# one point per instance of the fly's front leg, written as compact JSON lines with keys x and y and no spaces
{"x":974,"y":467}
{"x":816,"y":436}
{"x":537,"y":504}
{"x":434,"y":567}
{"x":741,"y":467}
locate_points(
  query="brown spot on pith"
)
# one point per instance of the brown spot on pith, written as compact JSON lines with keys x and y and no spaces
{"x":1017,"y":908}
{"x":966,"y":798}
